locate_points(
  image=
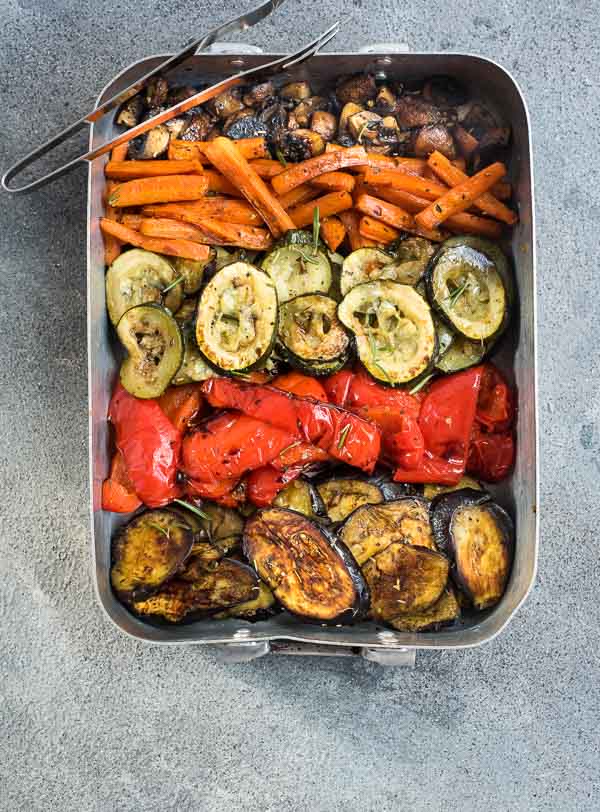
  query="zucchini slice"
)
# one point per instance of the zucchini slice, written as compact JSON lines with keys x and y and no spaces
{"x":444,"y":335}
{"x":193,"y":366}
{"x":154,"y":346}
{"x":394,"y":330}
{"x":208,"y":591}
{"x":343,"y":496}
{"x":413,"y":255}
{"x":301,"y":496}
{"x":372,"y":528}
{"x":466,"y":287}
{"x":462,"y":354}
{"x":236,"y":323}
{"x":298,"y":269}
{"x":191,"y":272}
{"x":443,"y":612}
{"x":310,"y":572}
{"x":405,"y":579}
{"x":481,"y":546}
{"x":310,"y":331}
{"x":147,"y":551}
{"x":140,"y":277}
{"x":404,"y":264}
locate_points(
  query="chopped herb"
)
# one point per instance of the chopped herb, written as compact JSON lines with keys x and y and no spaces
{"x":160,"y":529}
{"x":193,"y":508}
{"x":178,"y":281}
{"x":374,"y":351}
{"x":418,"y":386}
{"x":343,"y":435}
{"x":280,"y":157}
{"x":316,"y":229}
{"x":287,"y":448}
{"x":455,"y":295}
{"x":362,"y":132}
{"x":306,"y":257}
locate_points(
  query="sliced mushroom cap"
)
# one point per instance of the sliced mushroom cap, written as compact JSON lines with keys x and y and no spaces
{"x":244,"y":124}
{"x":430,"y":139}
{"x":324,"y":123}
{"x":307,"y":107}
{"x":131,"y":112}
{"x":150,"y":145}
{"x":258,"y":94}
{"x":358,"y":89}
{"x":348,"y":111}
{"x":157,"y":91}
{"x":299,"y":145}
{"x":364,"y":126}
{"x":198,"y":127}
{"x":226,"y":104}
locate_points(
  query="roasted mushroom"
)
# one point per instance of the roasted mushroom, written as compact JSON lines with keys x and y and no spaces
{"x":298,"y":145}
{"x":413,"y":111}
{"x":179,"y":94}
{"x":244,"y":125}
{"x":432,"y":138}
{"x":364,"y":126}
{"x":296,"y":91}
{"x":307,"y":107}
{"x":385,"y":101}
{"x":324,"y":124}
{"x":198,"y":127}
{"x":358,"y":89}
{"x":131,"y":112}
{"x":347,"y":112}
{"x":150,"y":145}
{"x":258,"y":94}
{"x":156,"y":92}
{"x":226,"y":104}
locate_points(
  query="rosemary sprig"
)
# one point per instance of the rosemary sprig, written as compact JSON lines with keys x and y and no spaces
{"x":306,"y":257}
{"x":178,"y":281}
{"x":160,"y":529}
{"x":193,"y":508}
{"x":289,"y":447}
{"x":280,"y":157}
{"x":455,"y":295}
{"x":343,"y":436}
{"x":316,"y":229}
{"x":423,"y":382}
{"x":374,"y":351}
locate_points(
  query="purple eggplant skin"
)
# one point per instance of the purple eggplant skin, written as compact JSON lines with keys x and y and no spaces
{"x":267,"y":545}
{"x":443,"y":506}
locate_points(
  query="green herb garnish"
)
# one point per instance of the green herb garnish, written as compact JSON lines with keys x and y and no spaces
{"x":316,"y":229}
{"x":193,"y":508}
{"x":159,"y":528}
{"x":287,"y":448}
{"x":423,"y":382}
{"x":178,"y":281}
{"x":374,"y":351}
{"x":343,"y":435}
{"x":455,"y":295}
{"x":280,"y":157}
{"x":306,"y":257}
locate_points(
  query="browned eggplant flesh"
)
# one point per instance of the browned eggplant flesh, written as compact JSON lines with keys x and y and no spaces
{"x":311,"y":573}
{"x":343,"y":496}
{"x":444,"y":611}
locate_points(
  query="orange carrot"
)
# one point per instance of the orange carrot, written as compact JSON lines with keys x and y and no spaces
{"x":232,"y":211}
{"x":112,"y":246}
{"x":333,"y":232}
{"x":351,"y":221}
{"x":219,"y":184}
{"x":407,"y":201}
{"x":185,"y":150}
{"x":127,"y":170}
{"x":226,"y":157}
{"x":218,"y":232}
{"x":502,"y":190}
{"x":177,"y":248}
{"x":410,"y":166}
{"x":170,"y":229}
{"x":460,"y":163}
{"x":249,"y":147}
{"x":301,"y":194}
{"x":338,"y":181}
{"x":133,"y":221}
{"x":119,"y":153}
{"x":395,"y":216}
{"x":333,"y":203}
{"x":397,"y":179}
{"x":377,"y":161}
{"x":467,"y":143}
{"x":307,"y":170}
{"x":484,"y":201}
{"x":159,"y":190}
{"x":375,"y":230}
{"x":266,"y":167}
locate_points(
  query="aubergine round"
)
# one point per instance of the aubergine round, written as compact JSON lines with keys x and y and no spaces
{"x":443,"y":612}
{"x":443,"y":506}
{"x":342,"y":496}
{"x":303,"y":497}
{"x":311,"y":573}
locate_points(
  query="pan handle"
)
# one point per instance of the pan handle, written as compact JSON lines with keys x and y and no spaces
{"x":245,"y":652}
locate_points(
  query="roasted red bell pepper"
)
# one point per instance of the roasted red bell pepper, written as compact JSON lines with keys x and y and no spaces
{"x":358,"y":392}
{"x":265,"y":483}
{"x":496,"y":403}
{"x":302,"y":385}
{"x":229,"y":445}
{"x":118,"y":493}
{"x":150,"y":445}
{"x":491,"y":454}
{"x":446,"y":421}
{"x":181,"y":404}
{"x":342,"y":434}
{"x":405,"y":447}
{"x":299,"y":454}
{"x":227,"y":492}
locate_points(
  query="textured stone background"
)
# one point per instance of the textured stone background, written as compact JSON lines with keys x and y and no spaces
{"x":94,"y":721}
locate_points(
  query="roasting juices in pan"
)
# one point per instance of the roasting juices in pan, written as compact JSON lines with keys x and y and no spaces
{"x":308,"y":288}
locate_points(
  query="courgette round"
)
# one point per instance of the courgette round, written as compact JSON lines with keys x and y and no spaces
{"x":191,"y":272}
{"x":310,"y":331}
{"x":154,"y":347}
{"x":236,"y":324}
{"x":140,"y":277}
{"x":298,"y":269}
{"x":394,"y":330}
{"x":465,"y":284}
{"x":405,"y":263}
{"x":462,"y":354}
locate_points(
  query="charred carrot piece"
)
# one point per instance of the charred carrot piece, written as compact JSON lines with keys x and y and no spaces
{"x":128,"y":170}
{"x":266,"y":167}
{"x":249,"y":147}
{"x":232,"y":211}
{"x":333,"y":232}
{"x":351,"y":221}
{"x":333,"y":203}
{"x":219,"y":185}
{"x":397,"y":179}
{"x":308,"y":170}
{"x":112,"y":246}
{"x":170,"y":229}
{"x":176,"y":248}
{"x":336,"y":181}
{"x":301,"y":194}
{"x":133,"y":221}
{"x":119,"y":153}
{"x":166,"y":189}
{"x":218,"y":232}
{"x":396,"y":217}
{"x":377,"y":231}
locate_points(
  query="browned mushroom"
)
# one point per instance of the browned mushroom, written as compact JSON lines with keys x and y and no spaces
{"x":307,"y":107}
{"x":226,"y":104}
{"x":131,"y":112}
{"x":259,"y":94}
{"x":157,"y":92}
{"x":150,"y":145}
{"x":244,"y":124}
{"x":296,"y":91}
{"x":358,"y":89}
{"x":364,"y":126}
{"x":324,"y":123}
{"x":412,"y":111}
{"x":436,"y":137}
{"x":347,"y":112}
{"x":385,"y":101}
{"x":198,"y":127}
{"x":299,"y":145}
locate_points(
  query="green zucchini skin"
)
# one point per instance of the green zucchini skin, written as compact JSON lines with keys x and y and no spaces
{"x":462,"y":354}
{"x":139,"y":277}
{"x":311,"y":337}
{"x":296,"y":268}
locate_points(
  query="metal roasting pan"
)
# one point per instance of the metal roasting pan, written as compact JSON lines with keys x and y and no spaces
{"x":238,"y":640}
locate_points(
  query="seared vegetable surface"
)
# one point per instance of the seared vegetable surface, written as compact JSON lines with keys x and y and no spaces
{"x":311,"y":333}
{"x":343,"y":496}
{"x":140,"y":277}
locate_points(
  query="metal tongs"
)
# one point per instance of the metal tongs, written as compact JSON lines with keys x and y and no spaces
{"x":238,"y":24}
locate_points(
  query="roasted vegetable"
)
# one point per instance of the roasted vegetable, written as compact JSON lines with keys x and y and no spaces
{"x":344,"y":495}
{"x":244,"y":125}
{"x":431,"y":491}
{"x":237,"y":318}
{"x":462,"y":353}
{"x":394,"y":330}
{"x":299,"y":145}
{"x":432,"y":138}
{"x":358,"y":89}
{"x":257,"y":608}
{"x":296,"y":91}
{"x":301,"y":496}
{"x":140,"y":277}
{"x":193,"y":366}
{"x":324,"y":123}
{"x":191,"y":273}
{"x":151,"y":145}
{"x":228,"y":584}
{"x":395,"y":265}
{"x":199,"y":126}
{"x":373,"y":527}
{"x":147,"y":551}
{"x":310,"y":572}
{"x":481,"y":542}
{"x":311,"y":333}
{"x":131,"y":112}
{"x":444,"y":505}
{"x":443,"y":612}
{"x":297,"y":270}
{"x":404,"y":579}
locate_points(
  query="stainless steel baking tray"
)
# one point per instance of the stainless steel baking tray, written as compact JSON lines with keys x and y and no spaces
{"x":238,"y":639}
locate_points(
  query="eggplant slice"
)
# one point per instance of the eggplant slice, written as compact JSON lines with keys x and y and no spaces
{"x":405,"y":579}
{"x":443,"y":612}
{"x":301,"y":496}
{"x":343,"y":496}
{"x":310,"y":572}
{"x":258,"y":608}
{"x":204,"y":592}
{"x":444,"y":505}
{"x":372,"y":528}
{"x":147,"y":551}
{"x":481,"y":545}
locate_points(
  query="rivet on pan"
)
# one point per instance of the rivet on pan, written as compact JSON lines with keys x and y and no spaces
{"x":387,"y":637}
{"x":237,"y":63}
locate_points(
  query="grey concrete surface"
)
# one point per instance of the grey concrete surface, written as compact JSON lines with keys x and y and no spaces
{"x":93,"y":721}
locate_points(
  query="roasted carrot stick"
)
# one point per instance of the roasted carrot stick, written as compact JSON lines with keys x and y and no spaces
{"x":333,"y":203}
{"x":395,"y":216}
{"x":467,"y":143}
{"x":338,"y":181}
{"x":327,"y":162}
{"x":502,"y":190}
{"x":166,"y":189}
{"x":398,"y":179}
{"x":112,"y":246}
{"x":219,"y":184}
{"x":185,"y":151}
{"x":218,"y":232}
{"x":127,"y":170}
{"x":119,"y":153}
{"x":463,"y":223}
{"x":232,"y":211}
{"x":460,"y":163}
{"x":176,"y":248}
{"x":226,"y":157}
{"x":170,"y":229}
{"x":376,"y":230}
{"x":333,"y":232}
{"x":411,"y":166}
{"x":133,"y":221}
{"x":298,"y":195}
{"x":351,"y":221}
{"x":465,"y":192}
{"x":266,"y":167}
{"x":249,"y":147}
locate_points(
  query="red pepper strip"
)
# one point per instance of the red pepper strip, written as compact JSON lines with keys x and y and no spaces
{"x":343,"y":435}
{"x":118,"y":494}
{"x":496,"y":403}
{"x":265,"y":483}
{"x":406,"y":446}
{"x":227,"y":492}
{"x":181,"y":404}
{"x":491,"y":455}
{"x":150,"y":445}
{"x":338,"y":386}
{"x":301,"y":454}
{"x":229,"y":445}
{"x":357,"y":390}
{"x":433,"y":469}
{"x":302,"y":385}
